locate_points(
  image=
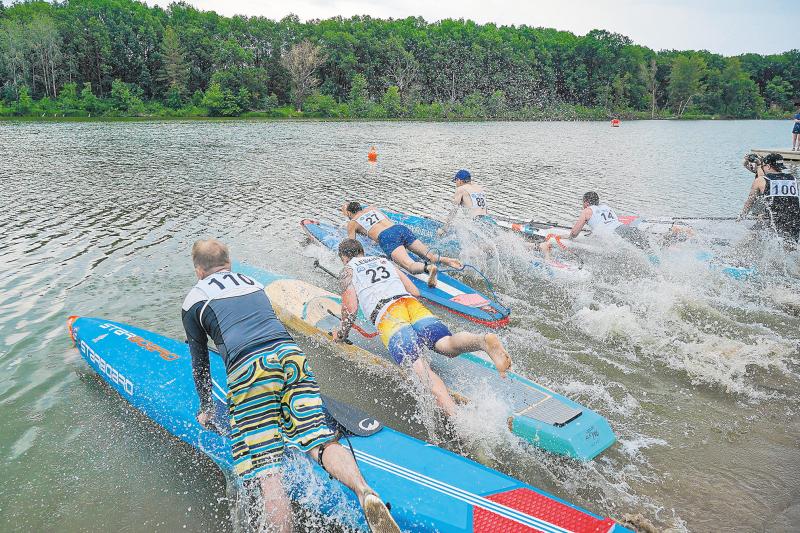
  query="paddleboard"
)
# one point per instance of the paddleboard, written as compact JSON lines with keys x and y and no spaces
{"x":536,"y":414}
{"x":703,"y":256}
{"x":542,"y":231}
{"x":449,"y":293}
{"x":429,"y":489}
{"x":426,"y":229}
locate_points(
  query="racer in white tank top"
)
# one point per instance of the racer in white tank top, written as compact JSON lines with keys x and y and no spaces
{"x":377,"y":284}
{"x":406,"y":327}
{"x":603,"y":219}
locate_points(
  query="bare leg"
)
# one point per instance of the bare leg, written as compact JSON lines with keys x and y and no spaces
{"x":401,"y":257}
{"x":463,"y":342}
{"x":437,"y":387}
{"x":423,"y":251}
{"x":277,"y":509}
{"x":340,"y":464}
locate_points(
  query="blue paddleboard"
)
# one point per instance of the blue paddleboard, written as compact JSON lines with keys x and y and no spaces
{"x":449,"y":293}
{"x":429,"y":489}
{"x":536,"y":414}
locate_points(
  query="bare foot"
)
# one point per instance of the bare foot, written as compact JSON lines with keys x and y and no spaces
{"x":377,"y":514}
{"x":433,"y":271}
{"x":452,"y":263}
{"x":497,"y":353}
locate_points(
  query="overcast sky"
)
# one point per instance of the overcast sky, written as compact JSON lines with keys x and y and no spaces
{"x":729,"y":27}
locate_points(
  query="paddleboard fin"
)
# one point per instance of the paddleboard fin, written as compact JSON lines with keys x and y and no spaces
{"x":349,"y":420}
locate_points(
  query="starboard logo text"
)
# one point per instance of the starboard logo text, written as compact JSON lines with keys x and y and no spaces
{"x":107,"y":369}
{"x":137,"y":340}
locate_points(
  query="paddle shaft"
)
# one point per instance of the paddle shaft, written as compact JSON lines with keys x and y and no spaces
{"x":328,"y":272}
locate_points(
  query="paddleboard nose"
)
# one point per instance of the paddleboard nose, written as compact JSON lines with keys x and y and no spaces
{"x":70,"y":321}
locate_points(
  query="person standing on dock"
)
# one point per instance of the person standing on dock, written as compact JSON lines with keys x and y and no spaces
{"x":273,"y":398}
{"x":796,"y":129}
{"x":779,"y":192}
{"x":468,"y":196}
{"x":406,"y":327}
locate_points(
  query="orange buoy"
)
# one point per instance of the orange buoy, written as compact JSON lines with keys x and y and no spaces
{"x":373,"y":154}
{"x":615,"y":122}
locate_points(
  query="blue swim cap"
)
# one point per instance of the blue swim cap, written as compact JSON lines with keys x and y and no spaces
{"x":462,"y":175}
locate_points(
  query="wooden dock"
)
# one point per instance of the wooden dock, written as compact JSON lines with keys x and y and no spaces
{"x":788,"y":155}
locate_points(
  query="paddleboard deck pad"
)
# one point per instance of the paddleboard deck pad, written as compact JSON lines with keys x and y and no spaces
{"x":449,"y":293}
{"x":536,"y":414}
{"x":429,"y":489}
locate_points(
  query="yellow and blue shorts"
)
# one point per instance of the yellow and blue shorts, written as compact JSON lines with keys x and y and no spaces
{"x":407,"y":328}
{"x":273,"y":397}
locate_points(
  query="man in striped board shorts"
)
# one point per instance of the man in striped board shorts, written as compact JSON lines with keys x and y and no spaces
{"x":273,"y":398}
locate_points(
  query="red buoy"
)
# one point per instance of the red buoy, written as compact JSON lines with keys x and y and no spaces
{"x":615,"y":122}
{"x":373,"y":154}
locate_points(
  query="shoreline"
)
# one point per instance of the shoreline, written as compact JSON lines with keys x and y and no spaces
{"x":261,"y":118}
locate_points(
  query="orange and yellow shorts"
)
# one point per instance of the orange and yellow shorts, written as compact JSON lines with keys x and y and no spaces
{"x":407,"y":328}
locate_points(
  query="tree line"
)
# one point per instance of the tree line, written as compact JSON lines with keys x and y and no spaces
{"x":123,"y":58}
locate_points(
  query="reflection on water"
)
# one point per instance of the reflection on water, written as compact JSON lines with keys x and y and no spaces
{"x":698,"y":374}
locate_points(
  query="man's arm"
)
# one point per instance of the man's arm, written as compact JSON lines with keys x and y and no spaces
{"x":352,"y":229}
{"x":754,"y":191}
{"x":408,"y":284}
{"x":586,"y":214}
{"x":349,"y":305}
{"x":198,"y":347}
{"x":458,"y":198}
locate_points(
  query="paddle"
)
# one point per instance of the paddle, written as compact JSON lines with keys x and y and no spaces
{"x":674,"y":219}
{"x":355,"y":326}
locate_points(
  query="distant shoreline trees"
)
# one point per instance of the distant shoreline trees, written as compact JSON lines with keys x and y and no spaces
{"x":123,"y":58}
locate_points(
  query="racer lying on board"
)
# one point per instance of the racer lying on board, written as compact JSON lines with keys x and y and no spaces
{"x":775,"y":192}
{"x":274,"y":398}
{"x":395,"y":240}
{"x":602,"y":220}
{"x":468,"y":196}
{"x":406,"y":327}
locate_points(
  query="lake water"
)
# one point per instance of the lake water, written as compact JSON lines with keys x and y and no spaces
{"x":697,"y":374}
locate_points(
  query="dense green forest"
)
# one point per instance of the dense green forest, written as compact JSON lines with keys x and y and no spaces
{"x":123,"y":58}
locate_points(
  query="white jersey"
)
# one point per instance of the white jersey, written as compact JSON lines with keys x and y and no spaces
{"x":376,"y":283}
{"x":369,"y":218}
{"x":603,"y":220}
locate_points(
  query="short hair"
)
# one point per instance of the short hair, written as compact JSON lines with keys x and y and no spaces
{"x":210,"y":253}
{"x":353,"y":207}
{"x":592,"y":198}
{"x":350,"y":248}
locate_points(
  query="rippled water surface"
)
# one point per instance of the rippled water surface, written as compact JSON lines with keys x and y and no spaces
{"x":697,"y":374}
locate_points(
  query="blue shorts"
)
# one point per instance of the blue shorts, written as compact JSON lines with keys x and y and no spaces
{"x":796,"y":128}
{"x":394,"y":237}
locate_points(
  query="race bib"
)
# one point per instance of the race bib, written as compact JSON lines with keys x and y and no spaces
{"x":372,"y":272}
{"x":217,"y":285}
{"x":478,"y":200}
{"x":607,"y":215}
{"x":370,"y":218}
{"x":782,"y":188}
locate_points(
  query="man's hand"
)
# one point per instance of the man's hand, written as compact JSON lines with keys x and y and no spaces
{"x":204,"y":417}
{"x":337,"y":336}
